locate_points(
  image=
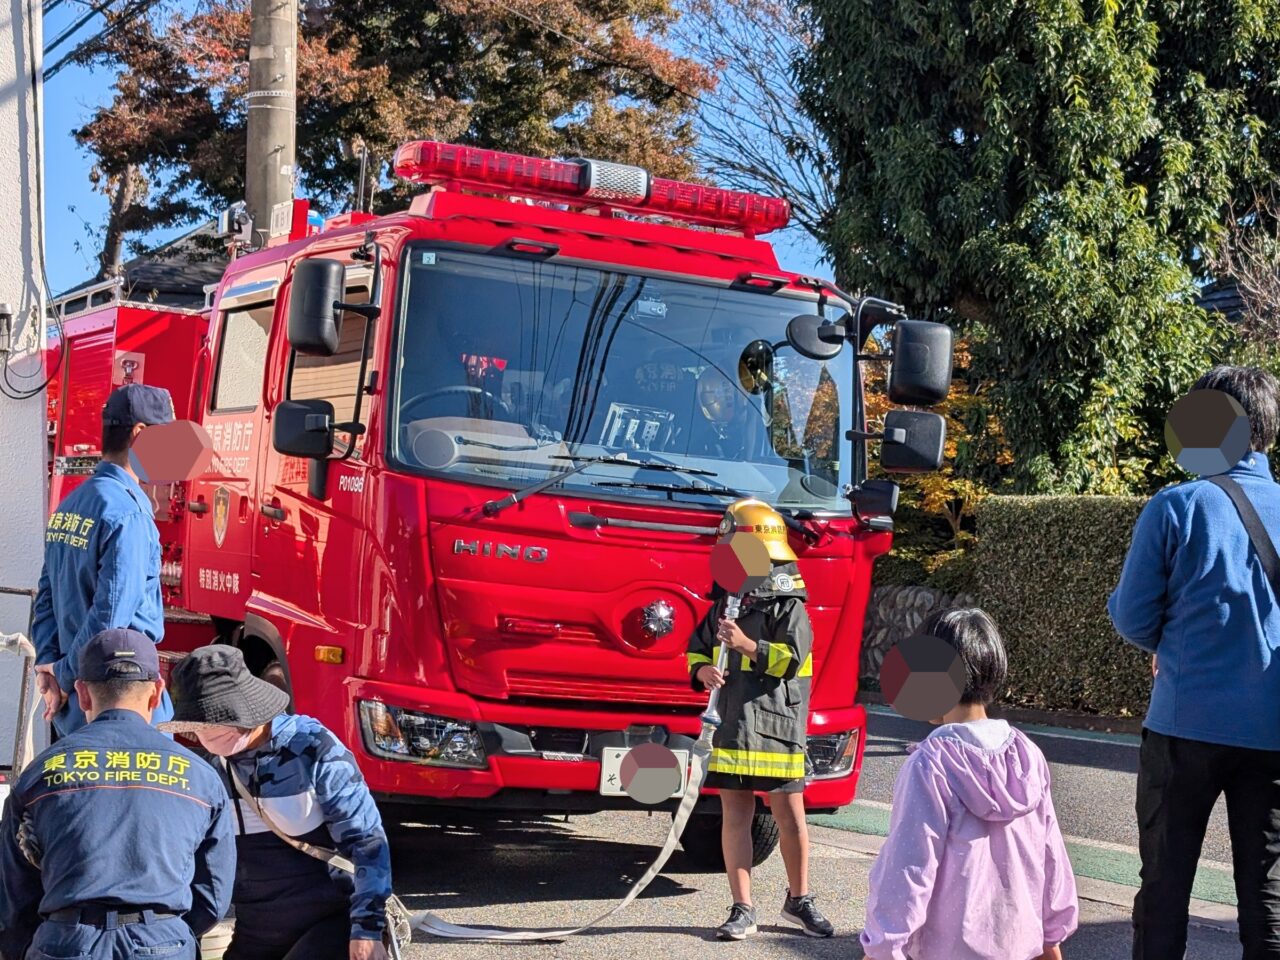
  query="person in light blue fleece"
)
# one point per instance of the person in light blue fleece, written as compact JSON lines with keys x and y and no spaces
{"x":1194,"y":594}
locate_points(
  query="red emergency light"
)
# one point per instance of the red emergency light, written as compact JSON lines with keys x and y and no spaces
{"x":589,"y":183}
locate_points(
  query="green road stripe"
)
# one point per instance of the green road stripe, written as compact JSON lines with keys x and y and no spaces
{"x":856,"y":819}
{"x":1115,"y":866}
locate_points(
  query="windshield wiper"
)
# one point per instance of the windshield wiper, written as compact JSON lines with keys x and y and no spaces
{"x":494,"y":507}
{"x":675,"y":488}
{"x":517,"y":448}
{"x":642,"y":464}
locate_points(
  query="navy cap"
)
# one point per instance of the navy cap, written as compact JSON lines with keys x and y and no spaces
{"x":136,"y":403}
{"x":119,"y":654}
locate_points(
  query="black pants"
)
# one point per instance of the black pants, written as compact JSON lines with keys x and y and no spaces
{"x":291,"y":937}
{"x":1179,"y":781}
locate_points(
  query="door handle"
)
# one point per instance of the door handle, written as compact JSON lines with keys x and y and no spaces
{"x":272,"y":511}
{"x":198,"y":506}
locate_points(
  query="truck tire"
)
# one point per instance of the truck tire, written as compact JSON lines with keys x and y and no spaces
{"x":701,"y":841}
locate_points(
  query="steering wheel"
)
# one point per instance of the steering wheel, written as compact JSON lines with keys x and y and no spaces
{"x":457,"y":390}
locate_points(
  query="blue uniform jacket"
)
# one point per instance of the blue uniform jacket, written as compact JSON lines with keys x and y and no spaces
{"x":308,"y":785}
{"x":101,"y":570}
{"x":1193,"y":592}
{"x":124,"y":818}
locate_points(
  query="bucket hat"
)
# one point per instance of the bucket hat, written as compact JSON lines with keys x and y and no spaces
{"x":213,"y":686}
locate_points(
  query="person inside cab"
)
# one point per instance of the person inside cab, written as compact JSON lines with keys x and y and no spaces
{"x":727,"y":425}
{"x":760,"y":745}
{"x":293,"y":784}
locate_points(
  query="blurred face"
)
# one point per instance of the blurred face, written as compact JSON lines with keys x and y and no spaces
{"x":224,"y":741}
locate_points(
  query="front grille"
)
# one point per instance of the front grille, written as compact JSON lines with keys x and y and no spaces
{"x":558,"y":740}
{"x":540,"y":687}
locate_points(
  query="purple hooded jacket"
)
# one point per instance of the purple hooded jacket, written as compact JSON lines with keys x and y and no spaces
{"x":974,"y":867}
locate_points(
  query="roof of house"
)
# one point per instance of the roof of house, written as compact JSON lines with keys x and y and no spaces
{"x":1222,"y":296}
{"x":173,"y":274}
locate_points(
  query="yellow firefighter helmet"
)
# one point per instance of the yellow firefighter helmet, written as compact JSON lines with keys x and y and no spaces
{"x":761,"y":521}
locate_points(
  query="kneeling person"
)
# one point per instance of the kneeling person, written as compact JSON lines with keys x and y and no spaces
{"x":116,"y":842}
{"x":305,"y":785}
{"x":760,"y":745}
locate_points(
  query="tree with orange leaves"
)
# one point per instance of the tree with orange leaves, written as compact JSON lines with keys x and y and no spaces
{"x":545,"y":77}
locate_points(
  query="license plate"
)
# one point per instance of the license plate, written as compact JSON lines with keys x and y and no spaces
{"x":611,"y":771}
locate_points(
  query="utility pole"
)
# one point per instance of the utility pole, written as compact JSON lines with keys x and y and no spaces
{"x":272,"y":101}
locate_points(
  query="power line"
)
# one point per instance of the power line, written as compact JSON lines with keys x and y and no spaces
{"x":131,"y":12}
{"x":60,"y":39}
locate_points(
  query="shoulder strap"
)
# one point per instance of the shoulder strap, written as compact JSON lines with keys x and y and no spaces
{"x":331,"y":857}
{"x":1262,"y":542}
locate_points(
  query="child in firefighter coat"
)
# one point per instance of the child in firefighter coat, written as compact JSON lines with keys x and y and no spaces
{"x":764,"y":705}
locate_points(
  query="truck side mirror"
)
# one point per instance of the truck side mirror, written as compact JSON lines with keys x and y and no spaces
{"x":815,"y":337}
{"x":315,"y":322}
{"x":913,"y":442}
{"x":303,"y":428}
{"x":920,"y":374}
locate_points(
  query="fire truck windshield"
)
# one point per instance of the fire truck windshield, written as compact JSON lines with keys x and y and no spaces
{"x":505,"y":366}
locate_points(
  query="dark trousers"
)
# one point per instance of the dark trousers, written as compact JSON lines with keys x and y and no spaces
{"x":168,"y":937}
{"x":292,"y":937}
{"x":1179,"y":781}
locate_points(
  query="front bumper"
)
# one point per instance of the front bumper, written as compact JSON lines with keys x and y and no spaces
{"x":517,"y":737}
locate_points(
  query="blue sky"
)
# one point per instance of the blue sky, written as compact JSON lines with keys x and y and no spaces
{"x":71,"y":203}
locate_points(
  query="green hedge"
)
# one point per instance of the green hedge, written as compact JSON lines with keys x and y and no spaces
{"x":1045,"y":567}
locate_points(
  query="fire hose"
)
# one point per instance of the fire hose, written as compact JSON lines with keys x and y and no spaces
{"x":430,"y":923}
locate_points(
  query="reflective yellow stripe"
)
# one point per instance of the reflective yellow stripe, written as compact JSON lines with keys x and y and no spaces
{"x":746,"y":664}
{"x":780,"y":657}
{"x":757,"y":763}
{"x":695,"y":660}
{"x":806,"y":668}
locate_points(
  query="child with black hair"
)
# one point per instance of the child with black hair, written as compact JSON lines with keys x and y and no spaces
{"x":974,"y":867}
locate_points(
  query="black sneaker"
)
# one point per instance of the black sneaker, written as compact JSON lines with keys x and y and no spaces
{"x":740,"y":925}
{"x":803,"y":913}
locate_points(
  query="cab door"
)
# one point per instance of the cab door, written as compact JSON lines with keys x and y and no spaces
{"x":310,"y":552}
{"x":223,"y":502}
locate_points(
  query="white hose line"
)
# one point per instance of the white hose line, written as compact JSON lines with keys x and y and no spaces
{"x":430,"y":923}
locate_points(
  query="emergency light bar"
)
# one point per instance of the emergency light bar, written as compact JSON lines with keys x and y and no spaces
{"x":589,"y":183}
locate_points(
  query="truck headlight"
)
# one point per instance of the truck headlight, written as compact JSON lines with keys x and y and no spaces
{"x":395,"y":733}
{"x":832,"y":754}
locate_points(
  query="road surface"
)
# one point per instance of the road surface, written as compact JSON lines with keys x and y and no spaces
{"x":549,"y":873}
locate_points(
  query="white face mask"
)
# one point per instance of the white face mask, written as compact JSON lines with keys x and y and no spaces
{"x":224,"y":741}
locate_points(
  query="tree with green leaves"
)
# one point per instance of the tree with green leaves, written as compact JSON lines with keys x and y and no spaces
{"x":1045,"y":175}
{"x":586,"y":77}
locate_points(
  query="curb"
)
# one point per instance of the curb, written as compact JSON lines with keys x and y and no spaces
{"x":1213,"y":916}
{"x":1067,"y":719}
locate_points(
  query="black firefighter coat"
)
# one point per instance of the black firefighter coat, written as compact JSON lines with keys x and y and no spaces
{"x":764,"y":705}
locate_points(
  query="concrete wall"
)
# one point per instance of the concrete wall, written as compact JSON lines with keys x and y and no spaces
{"x":22,"y":424}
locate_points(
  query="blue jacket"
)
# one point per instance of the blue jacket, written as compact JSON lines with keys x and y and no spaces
{"x":1193,"y":591}
{"x":101,"y":570}
{"x":123,"y":817}
{"x":310,"y":787}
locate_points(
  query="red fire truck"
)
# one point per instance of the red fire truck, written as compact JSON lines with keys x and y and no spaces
{"x":470,"y":460}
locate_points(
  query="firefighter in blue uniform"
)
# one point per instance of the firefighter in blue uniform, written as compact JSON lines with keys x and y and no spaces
{"x":304,"y":787}
{"x":116,"y":842}
{"x":101,"y":559}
